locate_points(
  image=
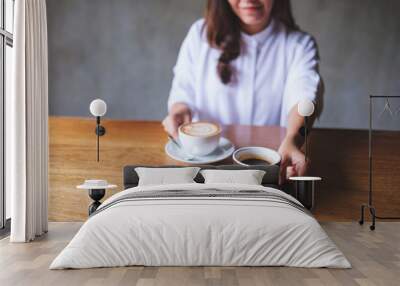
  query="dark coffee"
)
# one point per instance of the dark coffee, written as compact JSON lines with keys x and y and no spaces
{"x":256,"y":162}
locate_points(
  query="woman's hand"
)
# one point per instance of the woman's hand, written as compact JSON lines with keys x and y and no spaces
{"x":179,"y":114}
{"x":293,"y":161}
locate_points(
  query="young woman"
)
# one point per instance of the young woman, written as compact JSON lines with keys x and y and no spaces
{"x":246,"y":63}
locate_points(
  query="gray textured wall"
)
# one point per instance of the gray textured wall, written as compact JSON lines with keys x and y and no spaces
{"x":123,"y":51}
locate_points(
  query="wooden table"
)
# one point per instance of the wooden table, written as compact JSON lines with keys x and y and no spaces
{"x":338,"y":156}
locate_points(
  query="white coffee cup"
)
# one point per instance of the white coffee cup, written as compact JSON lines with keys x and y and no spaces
{"x":265,"y":156}
{"x":199,"y":138}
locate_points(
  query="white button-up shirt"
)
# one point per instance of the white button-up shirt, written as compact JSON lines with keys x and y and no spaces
{"x":275,"y":70}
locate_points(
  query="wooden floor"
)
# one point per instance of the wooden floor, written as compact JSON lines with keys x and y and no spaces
{"x":375,"y":257}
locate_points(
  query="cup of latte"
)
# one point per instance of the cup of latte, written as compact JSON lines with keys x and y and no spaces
{"x":199,"y":138}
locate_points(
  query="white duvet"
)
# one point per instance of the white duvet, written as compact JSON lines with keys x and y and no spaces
{"x":200,"y":231}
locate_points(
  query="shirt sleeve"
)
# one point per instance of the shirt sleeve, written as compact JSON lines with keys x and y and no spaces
{"x":303,"y":80}
{"x":183,"y":84}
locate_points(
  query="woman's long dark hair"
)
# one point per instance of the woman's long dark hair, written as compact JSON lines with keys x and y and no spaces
{"x":223,"y":31}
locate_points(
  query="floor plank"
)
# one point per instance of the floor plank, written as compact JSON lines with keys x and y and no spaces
{"x":375,"y":257}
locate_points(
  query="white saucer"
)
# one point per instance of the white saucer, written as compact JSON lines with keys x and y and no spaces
{"x":223,"y":151}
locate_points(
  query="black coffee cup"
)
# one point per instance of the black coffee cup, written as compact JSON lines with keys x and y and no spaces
{"x":251,"y":156}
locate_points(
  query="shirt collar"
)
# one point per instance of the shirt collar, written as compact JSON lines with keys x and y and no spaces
{"x":260,"y":37}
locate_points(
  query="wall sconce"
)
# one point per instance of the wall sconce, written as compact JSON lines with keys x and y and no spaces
{"x":98,"y":108}
{"x":306,"y":108}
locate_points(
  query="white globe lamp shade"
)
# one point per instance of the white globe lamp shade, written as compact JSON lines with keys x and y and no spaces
{"x":305,"y":107}
{"x":98,"y":107}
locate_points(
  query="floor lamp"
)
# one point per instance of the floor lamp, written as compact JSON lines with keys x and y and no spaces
{"x":370,"y":206}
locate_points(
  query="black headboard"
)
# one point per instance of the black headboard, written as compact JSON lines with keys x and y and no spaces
{"x":271,"y":178}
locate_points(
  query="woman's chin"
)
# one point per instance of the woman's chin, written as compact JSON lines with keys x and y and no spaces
{"x":254,"y":22}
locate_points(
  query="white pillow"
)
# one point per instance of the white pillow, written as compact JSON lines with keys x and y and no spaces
{"x":166,"y":176}
{"x":248,"y":177}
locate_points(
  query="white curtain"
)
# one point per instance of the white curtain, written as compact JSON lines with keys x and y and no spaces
{"x":27,"y":123}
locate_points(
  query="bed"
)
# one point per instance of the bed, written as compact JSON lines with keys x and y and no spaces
{"x":197,"y":224}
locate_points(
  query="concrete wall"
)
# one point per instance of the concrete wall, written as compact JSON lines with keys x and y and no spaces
{"x":123,"y":51}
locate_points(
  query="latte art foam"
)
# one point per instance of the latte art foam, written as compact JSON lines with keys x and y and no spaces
{"x":200,"y":129}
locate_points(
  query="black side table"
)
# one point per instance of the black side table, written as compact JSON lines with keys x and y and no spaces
{"x":305,"y":190}
{"x":96,"y":195}
{"x":96,"y":190}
